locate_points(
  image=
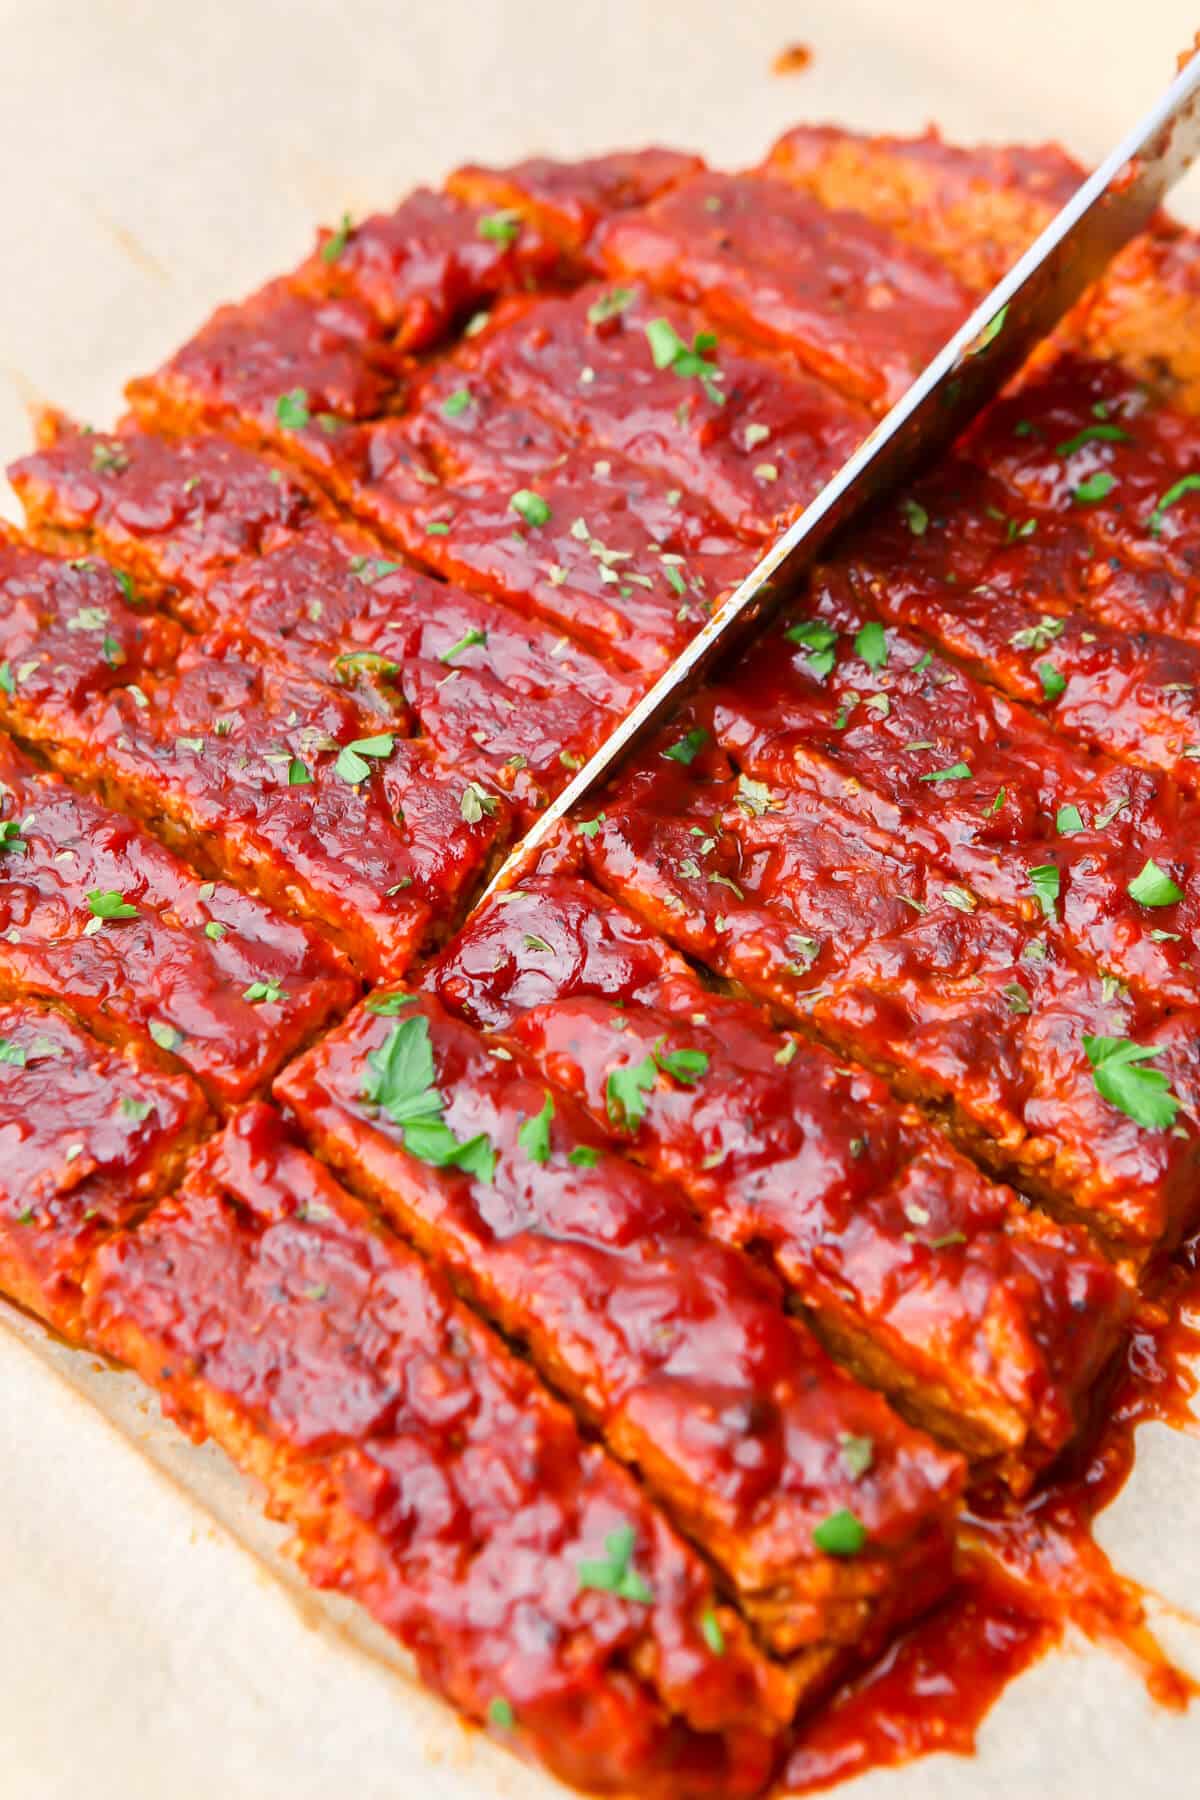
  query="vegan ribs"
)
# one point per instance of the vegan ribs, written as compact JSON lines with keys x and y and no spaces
{"x":624,"y":1288}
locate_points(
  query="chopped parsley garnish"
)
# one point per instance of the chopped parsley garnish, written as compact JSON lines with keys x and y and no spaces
{"x":1093,"y":434}
{"x":1068,"y":820}
{"x":841,"y":1534}
{"x":858,"y":1454}
{"x":470,"y":637}
{"x":872,"y":645}
{"x":400,"y":1082}
{"x":291,"y":409}
{"x":337,"y":240}
{"x":215,"y":930}
{"x":614,"y":1573}
{"x":689,"y":746}
{"x":109,"y":459}
{"x":583,"y":1156}
{"x":388,"y":1005}
{"x":710,"y":1630}
{"x":990,"y":332}
{"x":164,"y":1035}
{"x":264,"y":993}
{"x":530,"y":507}
{"x":534,"y":1134}
{"x":1096,"y":487}
{"x":1046,"y":884}
{"x":1154,"y":887}
{"x":625,"y":1091}
{"x":11,"y":839}
{"x":1018,"y":999}
{"x":14,"y":1054}
{"x":7,"y":684}
{"x":475,"y":802}
{"x":456,"y":403}
{"x":1122,"y":1078}
{"x":1054,"y":683}
{"x":299,"y":774}
{"x":104,"y":903}
{"x":500,"y":1713}
{"x":916,"y":517}
{"x":354,"y":759}
{"x":610,"y":305}
{"x":1039,"y":636}
{"x":1187,"y":484}
{"x":670,"y":352}
{"x":686,"y":1066}
{"x":956,"y":772}
{"x":135,"y":1109}
{"x":819,"y":639}
{"x":502,"y":227}
{"x":589,"y":827}
{"x":754,"y":797}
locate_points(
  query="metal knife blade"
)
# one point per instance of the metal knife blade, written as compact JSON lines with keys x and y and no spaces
{"x":1107,"y":210}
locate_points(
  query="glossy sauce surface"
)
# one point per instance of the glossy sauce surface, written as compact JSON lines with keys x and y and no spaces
{"x":672,"y":1343}
{"x":180,"y":960}
{"x":961,"y":1303}
{"x":433,"y":1477}
{"x":854,"y":304}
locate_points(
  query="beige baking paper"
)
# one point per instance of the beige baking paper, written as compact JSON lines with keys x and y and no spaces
{"x":154,"y":160}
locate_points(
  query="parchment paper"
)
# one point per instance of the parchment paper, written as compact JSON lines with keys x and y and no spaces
{"x":155,"y":159}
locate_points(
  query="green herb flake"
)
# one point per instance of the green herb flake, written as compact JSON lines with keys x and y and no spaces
{"x":455,"y":404}
{"x":1054,"y":683}
{"x":1093,"y":434}
{"x":400,"y":1081}
{"x":1187,"y":484}
{"x":470,"y":637}
{"x":501,"y":227}
{"x":354,"y":759}
{"x":684,"y":1066}
{"x":530,"y":507}
{"x":291,"y":409}
{"x":104,"y":903}
{"x":1154,"y":887}
{"x":990,"y":332}
{"x":298,"y":774}
{"x":819,"y":640}
{"x":337,"y":240}
{"x":164,"y":1035}
{"x":916,"y":518}
{"x":956,"y":772}
{"x":476,"y":802}
{"x":15,"y":1055}
{"x":872,"y":645}
{"x":1046,"y":884}
{"x":1096,"y":487}
{"x":1122,"y":1078}
{"x":710,"y":1631}
{"x":857,"y":1454}
{"x":689,"y":746}
{"x":264,"y":993}
{"x":614,"y":1573}
{"x":534,"y":1134}
{"x":215,"y":930}
{"x":1068,"y":821}
{"x":388,"y":1005}
{"x":625,"y":1092}
{"x":610,"y":305}
{"x":583,"y":1156}
{"x":841,"y":1534}
{"x":500,"y":1713}
{"x":588,"y":828}
{"x":136,"y":1110}
{"x":669,"y":351}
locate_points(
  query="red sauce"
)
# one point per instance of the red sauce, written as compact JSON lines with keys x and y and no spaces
{"x":1033,"y":1567}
